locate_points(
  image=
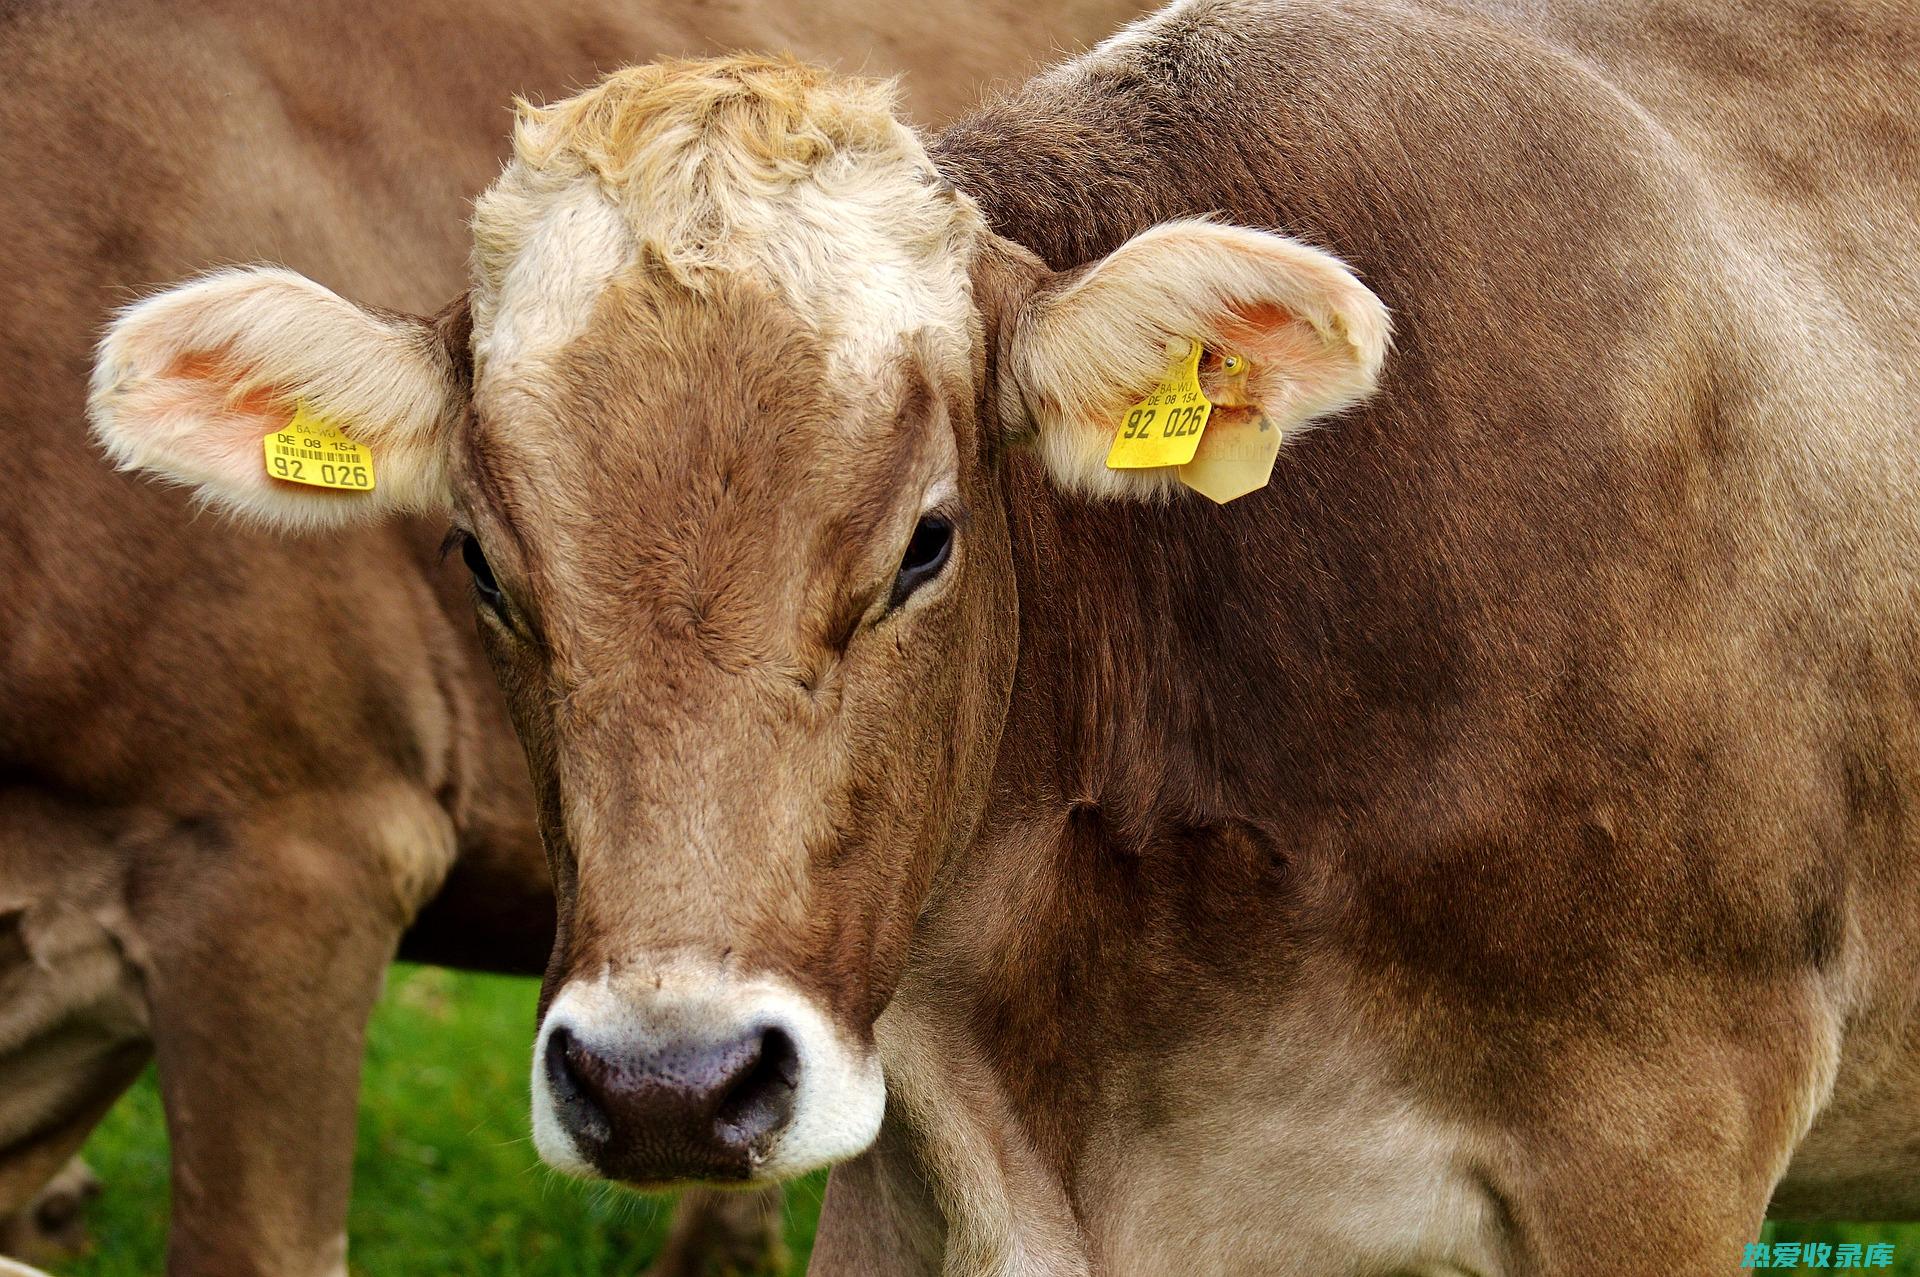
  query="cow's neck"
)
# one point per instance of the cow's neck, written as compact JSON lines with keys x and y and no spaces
{"x":1137,"y":835}
{"x":1174,"y":739}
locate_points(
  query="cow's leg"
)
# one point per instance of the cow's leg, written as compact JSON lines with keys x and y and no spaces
{"x":53,"y":1226}
{"x":1629,"y":1218}
{"x":717,"y":1232}
{"x":268,"y":944}
{"x":73,"y":1014}
{"x":1658,"y":1159}
{"x":879,"y":1218}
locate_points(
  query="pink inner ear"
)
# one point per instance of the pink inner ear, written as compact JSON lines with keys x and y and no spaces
{"x":208,"y":376}
{"x":1281,"y":347}
{"x":1256,"y":328}
{"x":201,"y":411}
{"x":1259,"y":317}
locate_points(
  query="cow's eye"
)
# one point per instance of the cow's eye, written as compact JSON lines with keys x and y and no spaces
{"x":927,"y":553}
{"x":483,"y":583}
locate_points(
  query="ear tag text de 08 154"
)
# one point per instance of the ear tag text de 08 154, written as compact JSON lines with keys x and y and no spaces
{"x":312,"y":450}
{"x":1164,"y":428}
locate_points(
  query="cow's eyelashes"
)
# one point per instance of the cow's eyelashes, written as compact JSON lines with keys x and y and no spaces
{"x":484,"y":583}
{"x":925,"y":558}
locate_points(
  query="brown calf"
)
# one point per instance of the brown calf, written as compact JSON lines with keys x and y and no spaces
{"x":234,"y":767}
{"x":1483,"y":850}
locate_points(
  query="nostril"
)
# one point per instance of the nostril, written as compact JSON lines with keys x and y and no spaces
{"x":759,"y":1101}
{"x":573,"y":1095}
{"x":559,"y":1073}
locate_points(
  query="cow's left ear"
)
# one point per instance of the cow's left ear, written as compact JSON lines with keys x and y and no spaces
{"x":1089,"y":344}
{"x":280,"y":400}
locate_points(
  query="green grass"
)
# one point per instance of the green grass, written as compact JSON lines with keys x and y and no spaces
{"x":446,"y":1183}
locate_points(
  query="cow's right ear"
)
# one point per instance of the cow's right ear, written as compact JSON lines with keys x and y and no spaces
{"x":1087,"y":344}
{"x":188,"y":384}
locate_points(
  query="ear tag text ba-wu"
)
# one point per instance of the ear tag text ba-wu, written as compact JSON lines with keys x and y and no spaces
{"x":310,"y":449}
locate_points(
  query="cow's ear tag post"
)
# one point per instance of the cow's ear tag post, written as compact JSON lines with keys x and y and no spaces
{"x":1164,"y":428}
{"x":1237,"y":455}
{"x":310,"y":449}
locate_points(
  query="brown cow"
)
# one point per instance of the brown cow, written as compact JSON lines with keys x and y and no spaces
{"x":233,"y":767}
{"x":1486,"y":849}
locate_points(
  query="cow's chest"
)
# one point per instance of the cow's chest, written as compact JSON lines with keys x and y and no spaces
{"x":1281,"y":1152}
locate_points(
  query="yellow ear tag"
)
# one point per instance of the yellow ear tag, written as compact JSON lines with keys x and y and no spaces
{"x":1237,"y":455}
{"x":312,"y":450}
{"x":1164,"y":428}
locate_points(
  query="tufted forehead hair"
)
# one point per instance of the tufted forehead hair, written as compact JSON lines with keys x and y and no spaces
{"x":805,"y":179}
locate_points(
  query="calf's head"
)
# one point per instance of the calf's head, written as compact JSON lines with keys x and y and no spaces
{"x":723,"y":427}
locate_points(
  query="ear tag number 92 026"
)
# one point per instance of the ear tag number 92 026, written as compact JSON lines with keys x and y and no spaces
{"x":312,"y":450}
{"x":1164,"y":428}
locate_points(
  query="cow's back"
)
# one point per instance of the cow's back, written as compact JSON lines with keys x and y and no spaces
{"x":147,"y":142}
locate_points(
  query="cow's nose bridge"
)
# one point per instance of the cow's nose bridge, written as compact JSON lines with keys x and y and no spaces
{"x":733,"y":904}
{"x":710,"y":778}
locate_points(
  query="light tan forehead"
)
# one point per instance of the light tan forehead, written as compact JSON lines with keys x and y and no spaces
{"x":688,"y":459}
{"x":800,"y":179}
